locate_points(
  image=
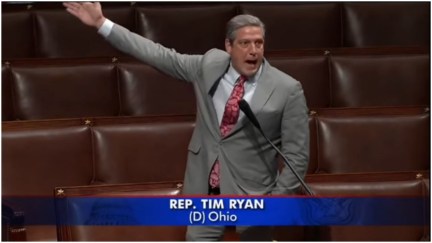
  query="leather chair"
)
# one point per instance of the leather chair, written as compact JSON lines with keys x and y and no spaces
{"x":379,"y":80}
{"x":17,"y":31}
{"x":386,"y":24}
{"x":66,"y":209}
{"x":141,"y":151}
{"x":179,"y":26}
{"x":7,"y":103}
{"x":146,"y":91}
{"x":373,"y":140}
{"x":35,"y":159}
{"x":311,"y":71}
{"x":382,"y":185}
{"x":397,"y":185}
{"x":67,"y":89}
{"x":60,"y":35}
{"x":298,"y":25}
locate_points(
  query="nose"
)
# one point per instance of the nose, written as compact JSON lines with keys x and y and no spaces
{"x":253,"y":49}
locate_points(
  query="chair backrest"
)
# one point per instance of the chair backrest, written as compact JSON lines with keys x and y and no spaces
{"x":66,"y":209}
{"x":146,"y":91}
{"x":312,"y":72}
{"x":67,"y":89}
{"x":176,"y":25}
{"x":373,"y":140}
{"x":389,"y":23}
{"x":380,"y":185}
{"x":394,"y":185}
{"x":36,"y":158}
{"x":141,"y":151}
{"x":298,"y":25}
{"x":379,"y":80}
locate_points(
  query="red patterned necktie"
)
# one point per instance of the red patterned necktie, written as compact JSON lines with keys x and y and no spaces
{"x":229,"y":119}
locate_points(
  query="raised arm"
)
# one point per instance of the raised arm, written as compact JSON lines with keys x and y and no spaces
{"x":180,"y":66}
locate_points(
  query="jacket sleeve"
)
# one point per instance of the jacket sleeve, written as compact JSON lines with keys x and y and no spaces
{"x":294,"y":141}
{"x":180,"y":66}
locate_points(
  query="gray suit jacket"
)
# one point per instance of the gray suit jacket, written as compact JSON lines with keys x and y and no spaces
{"x":247,"y":162}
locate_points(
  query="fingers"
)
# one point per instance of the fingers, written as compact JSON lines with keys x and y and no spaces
{"x":72,"y":8}
{"x":87,"y":4}
{"x":73,"y":12}
{"x":77,"y":6}
{"x":72,"y":5}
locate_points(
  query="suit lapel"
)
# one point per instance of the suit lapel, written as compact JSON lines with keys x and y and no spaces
{"x":212,"y":78}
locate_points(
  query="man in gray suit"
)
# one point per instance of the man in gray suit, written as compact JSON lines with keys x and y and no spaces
{"x":227,"y":154}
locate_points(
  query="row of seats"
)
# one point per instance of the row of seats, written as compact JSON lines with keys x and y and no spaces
{"x":77,"y":152}
{"x":354,"y":150}
{"x":47,"y":30}
{"x":401,"y":184}
{"x":68,"y":88}
{"x":413,"y":184}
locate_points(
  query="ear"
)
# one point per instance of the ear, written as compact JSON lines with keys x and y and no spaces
{"x":228,"y":46}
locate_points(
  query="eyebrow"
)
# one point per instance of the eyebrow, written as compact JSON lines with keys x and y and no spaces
{"x":258,"y":39}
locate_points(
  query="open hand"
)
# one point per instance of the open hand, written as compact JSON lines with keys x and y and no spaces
{"x":89,"y":13}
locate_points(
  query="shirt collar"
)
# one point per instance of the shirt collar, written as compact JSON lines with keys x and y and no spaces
{"x":234,"y":75}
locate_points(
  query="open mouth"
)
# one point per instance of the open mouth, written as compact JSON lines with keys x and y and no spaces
{"x":252,"y":62}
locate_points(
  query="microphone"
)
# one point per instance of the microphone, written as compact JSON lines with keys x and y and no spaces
{"x":244,"y":106}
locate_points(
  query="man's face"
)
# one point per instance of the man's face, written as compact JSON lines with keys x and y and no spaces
{"x":247,"y":50}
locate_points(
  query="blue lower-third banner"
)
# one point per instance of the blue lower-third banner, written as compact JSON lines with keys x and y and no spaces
{"x":226,"y":211}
